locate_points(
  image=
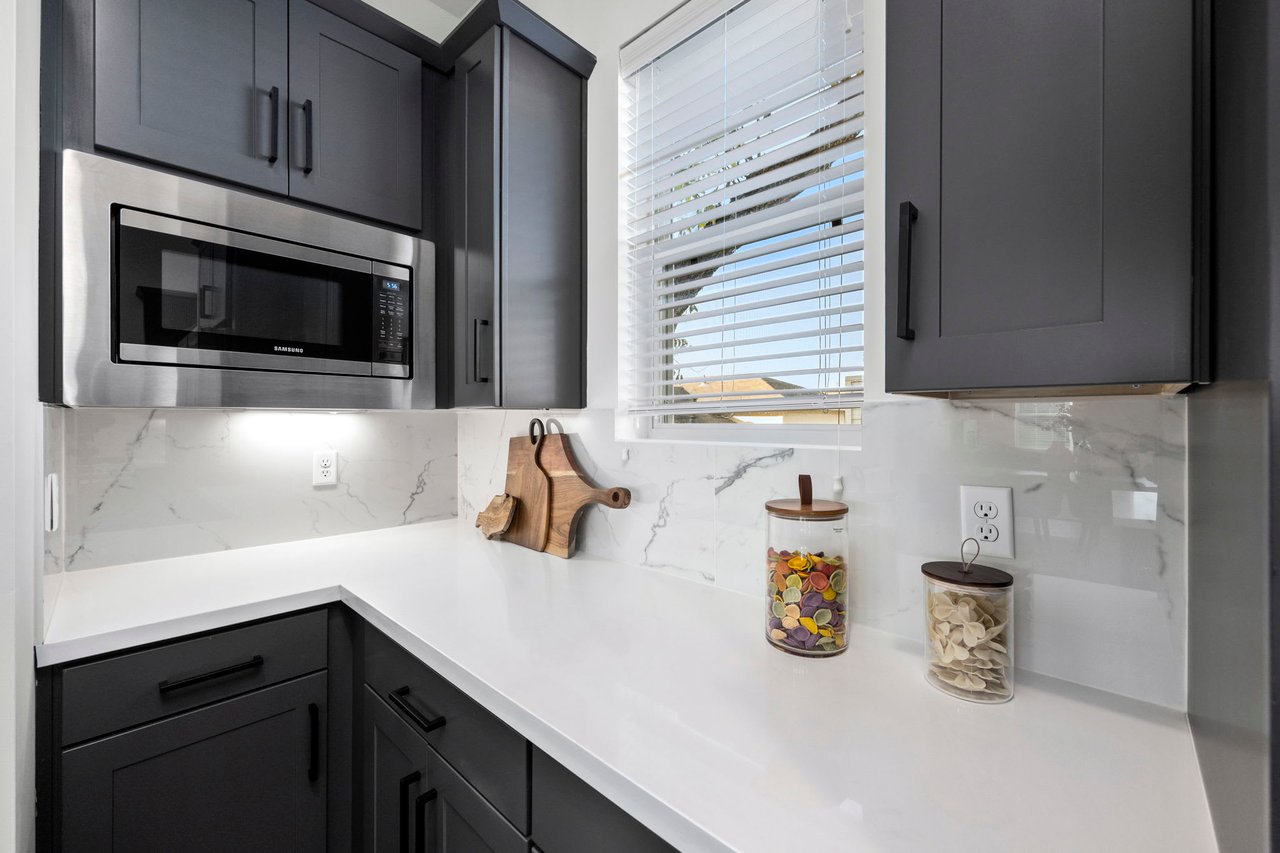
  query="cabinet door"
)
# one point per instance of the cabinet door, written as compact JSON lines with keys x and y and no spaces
{"x":542,"y":316}
{"x":197,"y":84}
{"x":355,"y":119}
{"x":473,"y":150}
{"x":247,"y":774}
{"x":1047,"y":150}
{"x":394,"y":767}
{"x":458,"y":820}
{"x":568,"y":814}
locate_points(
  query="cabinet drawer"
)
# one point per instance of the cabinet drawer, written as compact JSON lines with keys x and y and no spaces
{"x":489,"y":754}
{"x":113,"y":694}
{"x":568,"y":815}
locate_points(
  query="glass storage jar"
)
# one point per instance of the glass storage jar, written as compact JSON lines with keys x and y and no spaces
{"x":968,"y":614}
{"x":807,"y":574}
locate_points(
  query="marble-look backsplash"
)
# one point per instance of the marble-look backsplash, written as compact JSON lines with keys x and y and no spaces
{"x":141,"y":484}
{"x":1099,"y":498}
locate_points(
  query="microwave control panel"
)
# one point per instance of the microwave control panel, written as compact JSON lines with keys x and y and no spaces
{"x":392,"y":321}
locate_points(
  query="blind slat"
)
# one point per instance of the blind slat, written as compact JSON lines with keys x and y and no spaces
{"x":786,"y":261}
{"x":748,"y":289}
{"x":746,"y":342}
{"x":762,"y":250}
{"x":805,"y":212}
{"x":747,"y":359}
{"x":746,"y":307}
{"x":751,"y":192}
{"x":745,"y":324}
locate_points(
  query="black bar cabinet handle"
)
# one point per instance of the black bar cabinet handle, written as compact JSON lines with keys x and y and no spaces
{"x":253,"y":663}
{"x":313,"y":768}
{"x":274,"y":97}
{"x":420,"y":820}
{"x":476,"y":349}
{"x":406,"y":783}
{"x":308,"y":136}
{"x":907,"y":215}
{"x":427,"y":725}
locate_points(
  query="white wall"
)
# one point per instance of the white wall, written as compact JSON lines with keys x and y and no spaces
{"x":19,"y":416}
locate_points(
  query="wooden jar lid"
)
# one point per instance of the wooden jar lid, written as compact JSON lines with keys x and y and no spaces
{"x":805,"y":506}
{"x":967,"y":574}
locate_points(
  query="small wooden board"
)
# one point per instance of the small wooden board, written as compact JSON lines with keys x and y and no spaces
{"x":495,"y":519}
{"x":528,"y":484}
{"x":570,"y":493}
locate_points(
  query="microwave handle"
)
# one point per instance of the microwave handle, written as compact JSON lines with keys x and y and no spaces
{"x":206,"y":291}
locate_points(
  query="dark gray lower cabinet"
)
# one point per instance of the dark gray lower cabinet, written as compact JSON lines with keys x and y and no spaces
{"x":459,"y":820}
{"x":413,"y":800}
{"x":246,"y":774}
{"x":394,"y":768}
{"x":569,"y":815}
{"x":242,"y":740}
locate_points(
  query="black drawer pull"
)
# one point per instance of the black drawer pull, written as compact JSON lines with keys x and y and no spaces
{"x":405,"y":783}
{"x":907,"y":215}
{"x":427,"y":725}
{"x":252,"y":663}
{"x":420,"y":820}
{"x":313,"y":767}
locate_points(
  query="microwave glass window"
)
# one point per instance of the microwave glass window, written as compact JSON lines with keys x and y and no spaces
{"x":174,"y":291}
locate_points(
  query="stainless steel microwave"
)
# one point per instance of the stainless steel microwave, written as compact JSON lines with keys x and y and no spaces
{"x":174,"y":292}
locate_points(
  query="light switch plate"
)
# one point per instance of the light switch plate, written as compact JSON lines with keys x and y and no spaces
{"x":986,"y":514}
{"x":324,"y":467}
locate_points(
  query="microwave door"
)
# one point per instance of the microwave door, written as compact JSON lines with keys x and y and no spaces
{"x":197,"y":294}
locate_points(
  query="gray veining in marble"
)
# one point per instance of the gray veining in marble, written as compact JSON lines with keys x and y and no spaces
{"x":144,"y":484}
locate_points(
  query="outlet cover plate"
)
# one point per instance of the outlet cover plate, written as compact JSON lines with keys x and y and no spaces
{"x":986,"y":514}
{"x":324,"y":467}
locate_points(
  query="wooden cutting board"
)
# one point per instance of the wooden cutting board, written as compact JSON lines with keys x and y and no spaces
{"x":528,"y":484}
{"x":571,"y":493}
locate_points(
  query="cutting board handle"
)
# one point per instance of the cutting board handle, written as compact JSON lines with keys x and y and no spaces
{"x":615,"y":498}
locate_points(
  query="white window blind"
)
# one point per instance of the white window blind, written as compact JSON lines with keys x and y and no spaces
{"x":743,"y":196}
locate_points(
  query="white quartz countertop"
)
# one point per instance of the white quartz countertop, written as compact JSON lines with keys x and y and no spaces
{"x":663,"y":694}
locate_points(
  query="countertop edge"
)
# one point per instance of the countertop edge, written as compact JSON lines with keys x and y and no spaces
{"x":70,"y":651}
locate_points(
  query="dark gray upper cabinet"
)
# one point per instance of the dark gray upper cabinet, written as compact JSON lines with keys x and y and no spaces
{"x":280,"y":95}
{"x":246,"y":774}
{"x":1040,"y":195}
{"x":196,"y":84}
{"x":514,"y":213}
{"x":355,"y":104}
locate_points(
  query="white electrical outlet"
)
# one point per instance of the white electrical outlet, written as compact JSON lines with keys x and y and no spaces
{"x":324,"y":467}
{"x":986,"y":514}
